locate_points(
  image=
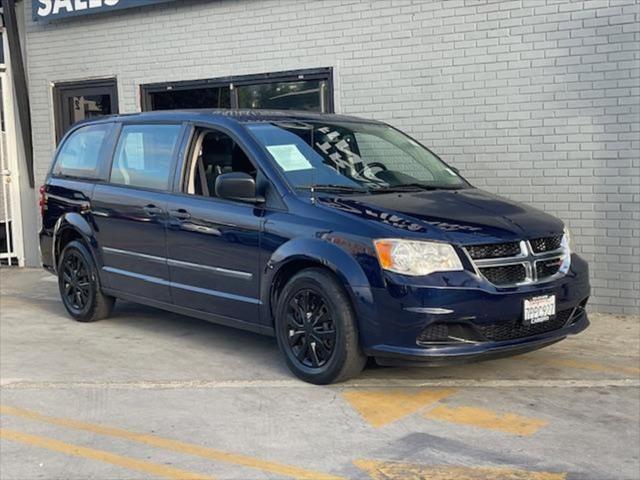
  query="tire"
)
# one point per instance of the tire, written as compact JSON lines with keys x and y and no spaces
{"x":304,"y":332}
{"x":79,"y":285}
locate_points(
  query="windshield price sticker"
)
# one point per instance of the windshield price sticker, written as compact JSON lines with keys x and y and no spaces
{"x":289,"y":157}
{"x":539,"y":309}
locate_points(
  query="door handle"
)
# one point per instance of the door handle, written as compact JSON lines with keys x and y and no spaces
{"x":180,"y":214}
{"x":152,"y":210}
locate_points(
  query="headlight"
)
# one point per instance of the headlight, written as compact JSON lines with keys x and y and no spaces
{"x":415,"y":257}
{"x":566,"y":240}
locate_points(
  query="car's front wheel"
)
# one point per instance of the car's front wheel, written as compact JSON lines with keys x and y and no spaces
{"x":316,"y":329}
{"x":79,"y":285}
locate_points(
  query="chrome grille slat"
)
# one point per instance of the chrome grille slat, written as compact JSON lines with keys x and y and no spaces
{"x":537,"y":266}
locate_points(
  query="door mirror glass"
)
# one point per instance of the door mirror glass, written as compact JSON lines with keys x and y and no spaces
{"x":239,"y":186}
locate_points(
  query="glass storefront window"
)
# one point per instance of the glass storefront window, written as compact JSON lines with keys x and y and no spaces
{"x":207,"y":97}
{"x":309,"y":90}
{"x":302,"y":95}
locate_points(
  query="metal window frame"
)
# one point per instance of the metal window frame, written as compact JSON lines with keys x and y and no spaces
{"x":65,"y":89}
{"x":324,"y":73}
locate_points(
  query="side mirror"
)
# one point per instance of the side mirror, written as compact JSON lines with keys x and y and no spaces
{"x":239,"y":186}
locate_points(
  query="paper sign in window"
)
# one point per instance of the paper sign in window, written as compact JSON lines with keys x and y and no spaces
{"x":289,"y":157}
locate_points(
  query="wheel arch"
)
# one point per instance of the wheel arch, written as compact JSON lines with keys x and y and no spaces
{"x":297,"y":255}
{"x":68,"y":228}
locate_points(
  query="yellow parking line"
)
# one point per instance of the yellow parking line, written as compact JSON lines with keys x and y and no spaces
{"x":173,"y":445}
{"x":380,"y":407}
{"x":593,"y":366}
{"x":378,"y":470}
{"x":100,"y":455}
{"x":478,"y":417}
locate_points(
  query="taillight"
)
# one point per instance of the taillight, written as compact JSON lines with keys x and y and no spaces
{"x":43,"y":200}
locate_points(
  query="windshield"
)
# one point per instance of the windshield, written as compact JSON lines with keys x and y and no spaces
{"x":352,"y":156}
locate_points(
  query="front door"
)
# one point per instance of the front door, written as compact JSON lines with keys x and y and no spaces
{"x":213,"y":244}
{"x":78,"y":101}
{"x":130,"y":211}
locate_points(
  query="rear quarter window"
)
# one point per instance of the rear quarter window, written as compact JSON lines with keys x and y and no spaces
{"x":80,"y":154}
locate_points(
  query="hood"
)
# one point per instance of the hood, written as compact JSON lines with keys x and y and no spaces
{"x":463,"y":216}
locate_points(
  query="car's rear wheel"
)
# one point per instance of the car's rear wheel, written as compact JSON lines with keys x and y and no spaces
{"x":316,"y":329}
{"x":79,"y":285}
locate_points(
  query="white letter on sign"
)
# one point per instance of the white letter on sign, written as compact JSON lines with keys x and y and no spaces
{"x":59,"y":4}
{"x":81,"y":5}
{"x":45,"y":8}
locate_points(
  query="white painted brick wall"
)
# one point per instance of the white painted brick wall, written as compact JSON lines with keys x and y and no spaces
{"x":537,"y":100}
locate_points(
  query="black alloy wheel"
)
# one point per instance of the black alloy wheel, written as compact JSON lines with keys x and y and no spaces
{"x":76,"y":281}
{"x":80,"y":286}
{"x":316,"y":328}
{"x":311,"y":332}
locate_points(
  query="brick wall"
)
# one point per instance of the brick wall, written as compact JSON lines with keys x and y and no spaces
{"x":537,"y":100}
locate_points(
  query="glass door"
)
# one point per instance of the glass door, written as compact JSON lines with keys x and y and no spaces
{"x":82,"y":101}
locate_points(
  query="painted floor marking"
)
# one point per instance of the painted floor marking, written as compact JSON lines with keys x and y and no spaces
{"x":592,"y":366}
{"x":378,"y":470}
{"x":157,"y":470}
{"x":173,"y":445}
{"x":381,"y":407}
{"x":478,"y":417}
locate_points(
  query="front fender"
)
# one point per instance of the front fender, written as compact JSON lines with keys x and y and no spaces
{"x":345,"y":267}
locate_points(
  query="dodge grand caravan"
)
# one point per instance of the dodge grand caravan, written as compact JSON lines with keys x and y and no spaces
{"x":343,"y":238}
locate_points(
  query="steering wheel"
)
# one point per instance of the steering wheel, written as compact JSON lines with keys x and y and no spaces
{"x":371,"y":165}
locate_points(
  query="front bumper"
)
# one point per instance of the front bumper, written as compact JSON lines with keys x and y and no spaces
{"x":454,"y":355}
{"x":392,"y":331}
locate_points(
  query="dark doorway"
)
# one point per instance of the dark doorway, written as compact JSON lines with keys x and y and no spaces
{"x":78,"y":101}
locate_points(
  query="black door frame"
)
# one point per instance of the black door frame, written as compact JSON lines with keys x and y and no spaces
{"x":239,"y":80}
{"x":63,"y":90}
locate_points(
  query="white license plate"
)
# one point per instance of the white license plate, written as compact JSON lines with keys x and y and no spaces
{"x":539,"y":309}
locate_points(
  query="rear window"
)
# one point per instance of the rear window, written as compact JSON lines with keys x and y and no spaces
{"x":80,"y":154}
{"x":144,"y":156}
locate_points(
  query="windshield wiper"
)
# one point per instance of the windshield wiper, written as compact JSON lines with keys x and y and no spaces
{"x":411,"y":187}
{"x":330,"y":187}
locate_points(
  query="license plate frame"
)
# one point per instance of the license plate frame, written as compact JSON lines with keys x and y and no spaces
{"x":540,"y":309}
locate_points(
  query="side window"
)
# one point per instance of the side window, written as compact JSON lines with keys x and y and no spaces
{"x":215,"y":153}
{"x":144,"y":156}
{"x":79,"y":156}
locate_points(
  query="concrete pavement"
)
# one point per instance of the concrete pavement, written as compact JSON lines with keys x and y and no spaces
{"x":150,"y":394}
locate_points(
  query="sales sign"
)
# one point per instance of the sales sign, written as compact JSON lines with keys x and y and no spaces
{"x":47,"y":10}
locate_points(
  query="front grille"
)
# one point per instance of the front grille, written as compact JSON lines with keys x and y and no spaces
{"x":505,"y":274}
{"x":546,"y":244}
{"x":548,"y":268}
{"x":493,"y":250}
{"x":499,"y":332}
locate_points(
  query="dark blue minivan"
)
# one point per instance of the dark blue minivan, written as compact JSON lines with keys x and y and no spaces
{"x":343,"y":237}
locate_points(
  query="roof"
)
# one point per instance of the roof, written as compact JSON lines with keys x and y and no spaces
{"x":242,"y":116}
